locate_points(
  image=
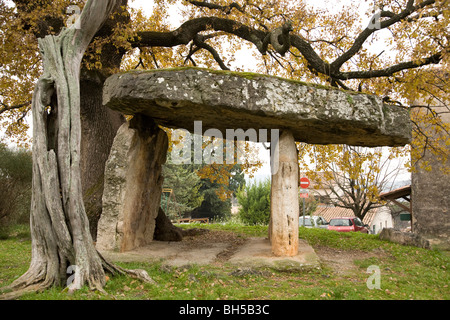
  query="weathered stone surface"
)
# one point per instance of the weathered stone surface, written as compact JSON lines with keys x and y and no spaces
{"x":226,"y":100}
{"x":257,"y":253}
{"x":431,"y":189}
{"x":284,"y":208}
{"x":133,"y":182}
{"x":110,"y":225}
{"x":404,"y":238}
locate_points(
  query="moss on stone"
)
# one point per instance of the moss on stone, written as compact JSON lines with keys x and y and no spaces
{"x":350,"y":99}
{"x":246,"y":75}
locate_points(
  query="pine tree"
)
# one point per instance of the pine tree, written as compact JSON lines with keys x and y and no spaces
{"x":255,"y":203}
{"x":185,"y":185}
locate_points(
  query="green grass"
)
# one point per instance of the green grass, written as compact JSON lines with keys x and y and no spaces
{"x":406,"y":273}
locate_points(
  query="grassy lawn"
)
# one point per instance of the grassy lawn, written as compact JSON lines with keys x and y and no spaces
{"x":406,"y":273}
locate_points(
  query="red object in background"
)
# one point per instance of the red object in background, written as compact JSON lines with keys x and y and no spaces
{"x":304,"y":183}
{"x":347,"y":224}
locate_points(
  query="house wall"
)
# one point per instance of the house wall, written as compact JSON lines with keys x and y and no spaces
{"x":382,"y":219}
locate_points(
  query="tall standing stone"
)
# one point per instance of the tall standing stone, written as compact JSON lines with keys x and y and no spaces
{"x":430,"y":189}
{"x":284,"y":205}
{"x":133,"y":185}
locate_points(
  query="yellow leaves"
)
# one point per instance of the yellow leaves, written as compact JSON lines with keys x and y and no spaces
{"x":19,"y":69}
{"x":215,"y":165}
{"x":220,"y":174}
{"x":345,"y":171}
{"x":430,"y":140}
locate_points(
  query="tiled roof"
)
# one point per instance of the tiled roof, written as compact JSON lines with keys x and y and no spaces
{"x":333,"y":212}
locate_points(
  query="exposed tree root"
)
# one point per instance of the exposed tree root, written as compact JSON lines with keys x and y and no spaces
{"x":137,"y":273}
{"x":37,"y":279}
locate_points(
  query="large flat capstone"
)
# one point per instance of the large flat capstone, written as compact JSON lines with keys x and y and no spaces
{"x":223,"y":100}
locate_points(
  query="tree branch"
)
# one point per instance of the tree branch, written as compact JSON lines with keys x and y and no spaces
{"x":366,"y":33}
{"x":199,"y":42}
{"x":387,"y":72}
{"x":17,"y":106}
{"x":226,"y":9}
{"x":189,"y":29}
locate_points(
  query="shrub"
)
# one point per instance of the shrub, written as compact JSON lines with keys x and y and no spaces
{"x":15,"y":185}
{"x":254,"y":200}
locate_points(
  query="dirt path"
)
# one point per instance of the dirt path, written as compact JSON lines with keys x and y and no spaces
{"x":342,"y":261}
{"x":202,"y":247}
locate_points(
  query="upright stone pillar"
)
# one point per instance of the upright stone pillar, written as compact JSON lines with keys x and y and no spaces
{"x":284,"y":209}
{"x":133,"y":185}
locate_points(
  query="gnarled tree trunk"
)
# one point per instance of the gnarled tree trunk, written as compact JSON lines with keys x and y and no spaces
{"x":99,"y":126}
{"x":59,"y":225}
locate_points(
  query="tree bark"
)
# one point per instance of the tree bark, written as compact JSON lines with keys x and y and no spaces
{"x":99,"y":126}
{"x":59,"y":225}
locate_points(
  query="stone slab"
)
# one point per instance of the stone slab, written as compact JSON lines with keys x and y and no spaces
{"x":171,"y":253}
{"x":254,"y":254}
{"x":224,"y":100}
{"x":257,"y":253}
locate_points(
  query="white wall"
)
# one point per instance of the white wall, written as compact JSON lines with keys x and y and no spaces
{"x":382,"y":219}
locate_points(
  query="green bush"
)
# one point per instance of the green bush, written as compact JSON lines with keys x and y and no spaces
{"x":254,"y":200}
{"x":15,"y":186}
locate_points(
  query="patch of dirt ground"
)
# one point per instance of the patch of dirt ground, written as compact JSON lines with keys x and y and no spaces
{"x":199,"y":246}
{"x":342,"y":261}
{"x":202,"y":238}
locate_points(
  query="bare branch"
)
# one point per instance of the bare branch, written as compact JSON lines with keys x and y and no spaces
{"x":199,"y":42}
{"x":6,"y":107}
{"x":366,"y":33}
{"x":226,"y":9}
{"x":387,"y":72}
